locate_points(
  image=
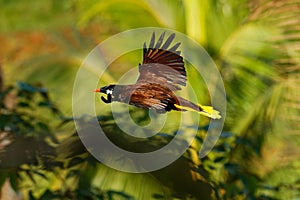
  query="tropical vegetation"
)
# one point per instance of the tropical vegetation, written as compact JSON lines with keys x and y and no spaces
{"x":255,"y":45}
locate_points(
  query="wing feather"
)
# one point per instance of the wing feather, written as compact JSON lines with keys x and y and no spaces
{"x":159,"y":42}
{"x":168,"y":42}
{"x":162,"y":65}
{"x":152,"y":40}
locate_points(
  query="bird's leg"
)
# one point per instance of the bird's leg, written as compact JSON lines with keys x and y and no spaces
{"x":108,"y":100}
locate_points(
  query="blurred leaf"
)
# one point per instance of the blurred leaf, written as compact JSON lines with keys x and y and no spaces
{"x":23,"y":104}
{"x":220,"y":159}
{"x":13,"y":180}
{"x":40,"y":174}
{"x":30,"y":88}
{"x":3,"y":177}
{"x":75,"y":161}
{"x":256,"y":47}
{"x":30,"y":175}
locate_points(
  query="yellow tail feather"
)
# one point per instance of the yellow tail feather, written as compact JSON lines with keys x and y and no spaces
{"x":207,"y":111}
{"x":210,"y":112}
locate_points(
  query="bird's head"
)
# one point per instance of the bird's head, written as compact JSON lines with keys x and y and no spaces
{"x":106,"y":89}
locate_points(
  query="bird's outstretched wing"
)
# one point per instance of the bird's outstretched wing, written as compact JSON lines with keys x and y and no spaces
{"x":162,"y":65}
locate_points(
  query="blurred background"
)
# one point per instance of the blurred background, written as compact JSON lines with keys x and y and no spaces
{"x":255,"y":44}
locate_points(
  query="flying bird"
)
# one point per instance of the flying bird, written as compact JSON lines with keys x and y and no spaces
{"x":162,"y":73}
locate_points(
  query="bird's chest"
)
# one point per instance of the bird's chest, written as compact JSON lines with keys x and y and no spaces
{"x":124,"y":97}
{"x":124,"y":94}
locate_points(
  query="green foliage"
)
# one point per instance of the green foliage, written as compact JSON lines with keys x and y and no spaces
{"x":26,"y":138}
{"x":39,"y":15}
{"x":256,"y":47}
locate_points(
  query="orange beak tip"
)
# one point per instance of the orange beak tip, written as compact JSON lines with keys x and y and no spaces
{"x":97,"y":90}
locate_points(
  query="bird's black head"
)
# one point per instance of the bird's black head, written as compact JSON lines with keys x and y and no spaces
{"x":106,"y":89}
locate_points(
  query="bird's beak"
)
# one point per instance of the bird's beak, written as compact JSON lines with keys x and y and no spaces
{"x":97,"y":90}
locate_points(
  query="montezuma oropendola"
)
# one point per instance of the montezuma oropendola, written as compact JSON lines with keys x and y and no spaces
{"x":161,"y":74}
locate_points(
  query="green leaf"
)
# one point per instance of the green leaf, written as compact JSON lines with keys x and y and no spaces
{"x":75,"y":161}
{"x":23,"y":104}
{"x":14,"y":182}
{"x":3,"y":176}
{"x":29,"y":88}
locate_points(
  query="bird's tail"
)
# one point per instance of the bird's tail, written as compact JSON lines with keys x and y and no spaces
{"x":207,"y":111}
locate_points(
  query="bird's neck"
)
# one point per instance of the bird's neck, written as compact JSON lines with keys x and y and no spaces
{"x":122,"y":93}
